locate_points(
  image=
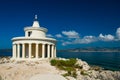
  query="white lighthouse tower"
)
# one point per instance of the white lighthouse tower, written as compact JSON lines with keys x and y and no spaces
{"x":34,"y":45}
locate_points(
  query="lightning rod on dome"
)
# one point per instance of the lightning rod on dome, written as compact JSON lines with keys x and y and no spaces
{"x":35,"y":17}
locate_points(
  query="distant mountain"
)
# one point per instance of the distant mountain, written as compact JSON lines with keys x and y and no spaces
{"x":93,"y":49}
{"x":87,"y":49}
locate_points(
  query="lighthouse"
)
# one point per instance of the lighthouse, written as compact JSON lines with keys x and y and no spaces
{"x":34,"y":45}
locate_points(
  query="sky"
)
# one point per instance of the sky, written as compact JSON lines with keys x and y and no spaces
{"x":74,"y":23}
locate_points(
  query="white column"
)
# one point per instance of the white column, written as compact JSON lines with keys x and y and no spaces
{"x":43,"y":50}
{"x":14,"y":50}
{"x":48,"y":51}
{"x":23,"y":50}
{"x":55,"y":52}
{"x":36,"y":51}
{"x":18,"y":50}
{"x":29,"y":50}
{"x":52,"y":51}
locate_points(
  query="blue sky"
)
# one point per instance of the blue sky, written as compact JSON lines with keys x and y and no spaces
{"x":74,"y":23}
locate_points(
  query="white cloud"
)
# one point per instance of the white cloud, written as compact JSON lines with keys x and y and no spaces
{"x":118,"y":33}
{"x":89,"y":39}
{"x":71,"y":34}
{"x":74,"y":38}
{"x":49,"y":35}
{"x":58,"y":35}
{"x":84,"y":40}
{"x":108,"y":37}
{"x":66,"y":43}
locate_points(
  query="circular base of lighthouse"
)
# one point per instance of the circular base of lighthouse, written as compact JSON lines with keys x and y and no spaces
{"x":33,"y":48}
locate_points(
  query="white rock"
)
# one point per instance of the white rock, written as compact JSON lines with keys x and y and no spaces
{"x":70,"y":78}
{"x":47,"y":77}
{"x":82,"y":64}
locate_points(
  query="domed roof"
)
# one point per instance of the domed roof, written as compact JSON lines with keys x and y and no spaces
{"x":35,"y":23}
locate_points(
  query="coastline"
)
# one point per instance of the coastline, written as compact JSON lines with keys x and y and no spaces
{"x":92,"y":51}
{"x":31,"y":70}
{"x":93,"y":58}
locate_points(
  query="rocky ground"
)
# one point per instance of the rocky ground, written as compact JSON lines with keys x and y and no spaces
{"x":42,"y":70}
{"x":95,"y":73}
{"x":27,"y":70}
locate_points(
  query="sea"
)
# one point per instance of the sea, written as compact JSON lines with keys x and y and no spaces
{"x":106,"y":60}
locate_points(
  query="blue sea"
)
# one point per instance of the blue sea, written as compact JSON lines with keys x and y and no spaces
{"x":107,"y":60}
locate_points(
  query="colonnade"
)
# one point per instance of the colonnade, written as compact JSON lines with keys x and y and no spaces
{"x":33,"y":50}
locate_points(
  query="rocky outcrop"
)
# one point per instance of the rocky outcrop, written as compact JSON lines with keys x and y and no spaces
{"x":4,"y":60}
{"x":86,"y":72}
{"x":24,"y":70}
{"x":95,"y":75}
{"x":82,"y":64}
